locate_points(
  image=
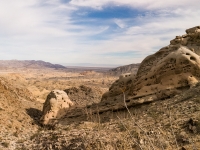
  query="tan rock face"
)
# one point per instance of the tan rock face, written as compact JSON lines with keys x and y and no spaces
{"x":55,"y":106}
{"x":122,"y":84}
{"x":171,"y":68}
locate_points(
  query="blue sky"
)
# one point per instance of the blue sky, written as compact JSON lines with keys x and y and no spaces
{"x":112,"y":32}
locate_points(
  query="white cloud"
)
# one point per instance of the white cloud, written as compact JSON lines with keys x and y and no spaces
{"x":34,"y":30}
{"x":153,"y":33}
{"x":144,"y":4}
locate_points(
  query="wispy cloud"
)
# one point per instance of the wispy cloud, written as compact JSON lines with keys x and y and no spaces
{"x":142,"y":4}
{"x":88,"y":31}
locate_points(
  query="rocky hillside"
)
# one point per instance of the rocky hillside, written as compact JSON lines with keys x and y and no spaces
{"x":28,"y":64}
{"x":132,"y":68}
{"x":17,"y":104}
{"x":168,"y":72}
{"x":167,"y":124}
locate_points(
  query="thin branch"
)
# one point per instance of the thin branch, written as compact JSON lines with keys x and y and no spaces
{"x":129,"y":133}
{"x":137,"y":123}
{"x":172,"y":129}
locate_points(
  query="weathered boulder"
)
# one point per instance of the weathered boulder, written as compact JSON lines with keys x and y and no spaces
{"x":171,"y":69}
{"x":55,"y":106}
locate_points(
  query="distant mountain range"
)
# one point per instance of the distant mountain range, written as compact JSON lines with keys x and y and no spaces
{"x":90,"y":65}
{"x":132,"y":68}
{"x":36,"y":64}
{"x":39,"y":64}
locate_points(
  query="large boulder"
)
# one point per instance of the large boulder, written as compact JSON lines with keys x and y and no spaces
{"x":167,"y":72}
{"x":55,"y":106}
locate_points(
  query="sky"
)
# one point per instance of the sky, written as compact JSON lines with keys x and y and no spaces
{"x":92,"y":32}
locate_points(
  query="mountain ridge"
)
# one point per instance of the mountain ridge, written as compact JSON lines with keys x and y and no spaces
{"x":29,"y":64}
{"x":131,"y":68}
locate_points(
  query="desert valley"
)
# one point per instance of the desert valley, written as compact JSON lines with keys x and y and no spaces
{"x":148,"y":106}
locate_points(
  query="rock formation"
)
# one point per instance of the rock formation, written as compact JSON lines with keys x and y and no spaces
{"x":55,"y":106}
{"x":163,"y":74}
{"x":124,"y":82}
{"x":124,"y":69}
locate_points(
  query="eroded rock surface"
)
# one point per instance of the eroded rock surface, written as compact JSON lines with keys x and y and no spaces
{"x":122,"y":84}
{"x":163,"y":74}
{"x":84,"y":95}
{"x":55,"y":106}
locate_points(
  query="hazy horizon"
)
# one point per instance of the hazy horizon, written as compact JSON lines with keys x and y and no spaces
{"x":101,"y":32}
{"x":76,"y":64}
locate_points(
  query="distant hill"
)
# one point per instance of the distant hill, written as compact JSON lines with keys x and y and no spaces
{"x":36,"y":64}
{"x":132,"y":68}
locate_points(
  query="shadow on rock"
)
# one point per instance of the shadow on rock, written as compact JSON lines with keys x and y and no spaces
{"x":35,"y":114}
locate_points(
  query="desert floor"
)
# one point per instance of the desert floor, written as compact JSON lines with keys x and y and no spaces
{"x":166,"y":124}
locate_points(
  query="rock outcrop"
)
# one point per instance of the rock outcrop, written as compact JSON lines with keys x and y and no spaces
{"x":124,"y":82}
{"x":55,"y":106}
{"x":132,"y":68}
{"x":58,"y":103}
{"x":163,"y":74}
